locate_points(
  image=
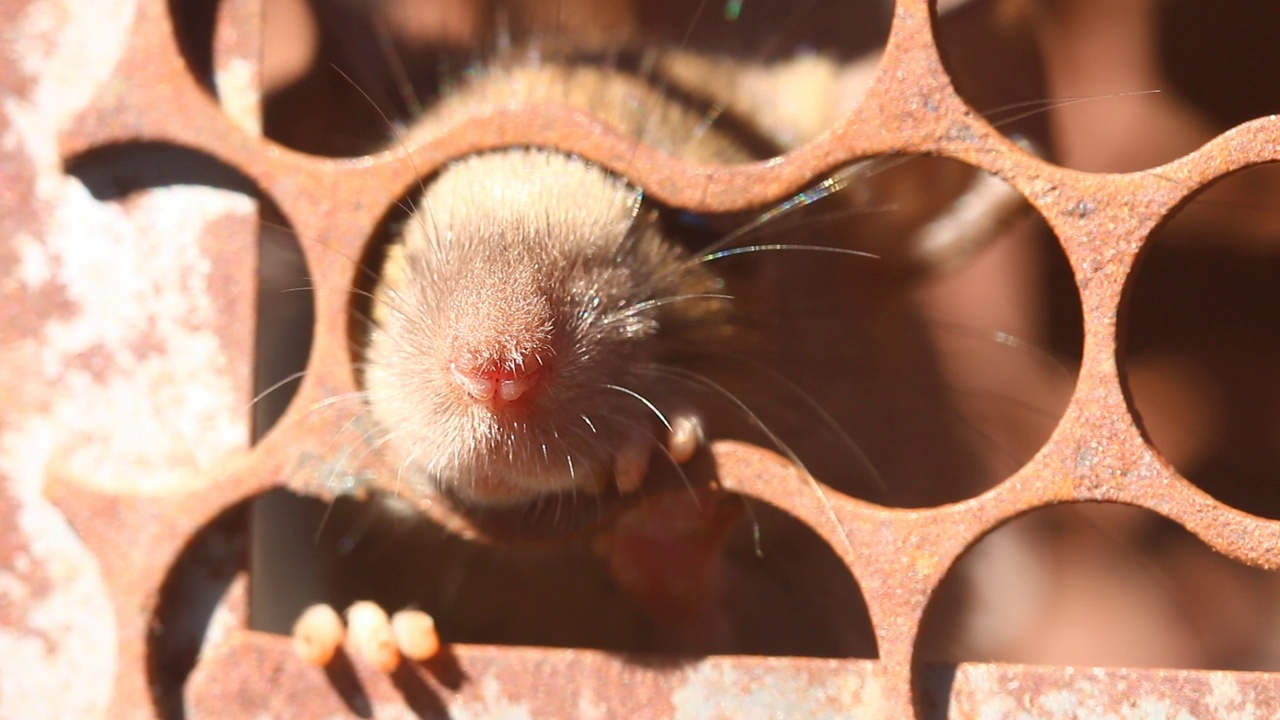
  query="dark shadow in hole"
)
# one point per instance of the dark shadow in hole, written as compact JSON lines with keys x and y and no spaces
{"x":1225,"y":59}
{"x":196,"y":584}
{"x":798,"y":599}
{"x":766,"y":32}
{"x":934,"y":690}
{"x":353,"y":100}
{"x":113,"y":172}
{"x":342,"y":676}
{"x":1102,"y":585}
{"x":1200,"y":340}
{"x":286,"y":319}
{"x":193,"y":23}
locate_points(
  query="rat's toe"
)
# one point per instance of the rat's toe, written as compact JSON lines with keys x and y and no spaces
{"x":317,"y":634}
{"x":370,"y":637}
{"x":415,"y":634}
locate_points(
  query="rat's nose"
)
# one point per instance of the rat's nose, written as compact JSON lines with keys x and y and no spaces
{"x":498,"y":387}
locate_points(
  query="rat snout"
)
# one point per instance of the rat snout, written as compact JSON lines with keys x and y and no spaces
{"x":500,"y":341}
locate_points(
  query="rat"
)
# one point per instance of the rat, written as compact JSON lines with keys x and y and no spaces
{"x":538,"y":325}
{"x":545,"y":336}
{"x":533,"y":302}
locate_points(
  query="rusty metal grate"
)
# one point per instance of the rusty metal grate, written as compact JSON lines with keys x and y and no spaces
{"x":135,"y":515}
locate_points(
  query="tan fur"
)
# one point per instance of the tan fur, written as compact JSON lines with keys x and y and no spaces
{"x":483,"y":273}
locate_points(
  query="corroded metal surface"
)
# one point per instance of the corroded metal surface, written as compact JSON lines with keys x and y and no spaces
{"x":259,"y":674}
{"x":495,"y":682}
{"x":94,"y":421}
{"x":127,"y":366}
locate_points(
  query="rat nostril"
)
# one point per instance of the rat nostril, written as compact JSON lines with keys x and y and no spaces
{"x":476,"y":385}
{"x":499,"y":386}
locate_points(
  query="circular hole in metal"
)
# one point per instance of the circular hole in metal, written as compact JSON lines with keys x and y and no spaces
{"x":1225,"y":62}
{"x":923,"y":371}
{"x":205,"y":585}
{"x":165,"y":335}
{"x":1102,"y":585}
{"x":669,"y":578}
{"x":1200,"y":340}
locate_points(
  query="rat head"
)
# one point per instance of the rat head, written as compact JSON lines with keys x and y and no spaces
{"x":515,"y":322}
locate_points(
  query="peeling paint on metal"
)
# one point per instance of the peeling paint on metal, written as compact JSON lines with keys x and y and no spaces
{"x":997,"y":692}
{"x":71,"y":50}
{"x":57,"y":638}
{"x":154,"y":406}
{"x":135,"y":379}
{"x":113,"y":376}
{"x":494,"y":703}
{"x":720,"y":692}
{"x":238,"y":91}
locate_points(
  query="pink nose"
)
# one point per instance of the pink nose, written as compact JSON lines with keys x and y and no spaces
{"x":498,"y":387}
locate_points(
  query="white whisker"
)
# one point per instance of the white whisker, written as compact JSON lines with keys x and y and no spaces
{"x":697,"y":379}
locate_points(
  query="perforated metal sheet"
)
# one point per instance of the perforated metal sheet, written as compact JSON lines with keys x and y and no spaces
{"x":80,"y":76}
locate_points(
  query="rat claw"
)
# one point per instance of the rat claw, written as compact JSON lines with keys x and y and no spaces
{"x":631,"y":464}
{"x":370,"y":636}
{"x":684,"y":438}
{"x":317,"y":633}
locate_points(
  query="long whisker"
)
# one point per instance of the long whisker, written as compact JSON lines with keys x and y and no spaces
{"x":719,"y":254}
{"x":823,"y":217}
{"x":822,"y":413}
{"x":276,"y":386}
{"x":659,"y":302}
{"x":400,"y":470}
{"x":864,"y":169}
{"x":293,"y":233}
{"x":335,"y":399}
{"x":697,"y":379}
{"x":422,"y":187}
{"x":396,"y":66}
{"x":684,"y":477}
{"x":645,"y":401}
{"x":360,"y":266}
{"x":1041,"y":106}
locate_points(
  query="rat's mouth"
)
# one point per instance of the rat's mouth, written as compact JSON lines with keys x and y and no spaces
{"x":499,"y":389}
{"x":494,"y":509}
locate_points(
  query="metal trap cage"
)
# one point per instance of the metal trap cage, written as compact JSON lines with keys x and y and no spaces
{"x":84,"y":427}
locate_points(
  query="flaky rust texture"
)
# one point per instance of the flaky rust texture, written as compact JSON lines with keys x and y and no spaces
{"x":140,"y":89}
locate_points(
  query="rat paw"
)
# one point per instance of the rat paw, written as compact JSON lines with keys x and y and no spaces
{"x":379,"y":640}
{"x":631,"y":463}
